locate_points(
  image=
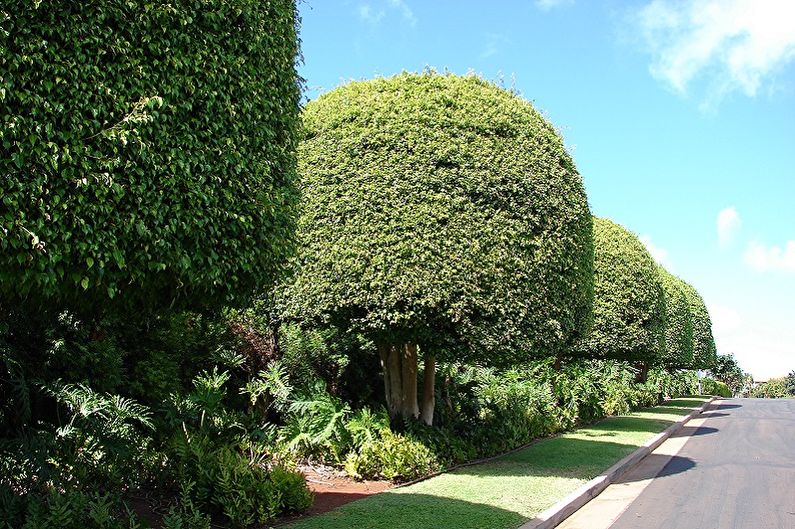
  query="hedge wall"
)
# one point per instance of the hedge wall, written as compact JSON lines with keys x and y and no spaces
{"x":146,"y":149}
{"x":678,"y":322}
{"x":445,"y":211}
{"x":629,"y":305}
{"x":704,"y":351}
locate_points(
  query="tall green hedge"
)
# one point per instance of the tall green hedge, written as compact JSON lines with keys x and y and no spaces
{"x":629,"y":305}
{"x":445,"y":211}
{"x":678,"y":323}
{"x":146,"y":148}
{"x":704,"y":351}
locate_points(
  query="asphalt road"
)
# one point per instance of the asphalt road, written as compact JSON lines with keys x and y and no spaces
{"x":736,"y":471}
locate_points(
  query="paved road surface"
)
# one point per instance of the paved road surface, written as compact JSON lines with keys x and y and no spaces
{"x":732,"y":468}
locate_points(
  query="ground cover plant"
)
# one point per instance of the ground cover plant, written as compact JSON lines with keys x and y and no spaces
{"x":512,"y":489}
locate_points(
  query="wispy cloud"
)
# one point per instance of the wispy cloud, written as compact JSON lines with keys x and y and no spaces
{"x":659,"y":254}
{"x":728,"y":223}
{"x":375,"y":12}
{"x":730,"y":45}
{"x":546,"y":5}
{"x":494,"y":41}
{"x":764,"y":258}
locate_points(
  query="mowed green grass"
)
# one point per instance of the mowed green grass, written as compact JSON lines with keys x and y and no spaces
{"x":508,"y":491}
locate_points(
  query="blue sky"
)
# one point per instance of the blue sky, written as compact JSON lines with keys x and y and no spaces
{"x":680,"y":115}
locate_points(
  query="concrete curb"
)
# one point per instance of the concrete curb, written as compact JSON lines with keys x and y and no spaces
{"x":574,"y":501}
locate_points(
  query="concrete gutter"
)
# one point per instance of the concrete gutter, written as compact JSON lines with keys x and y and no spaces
{"x":574,"y":501}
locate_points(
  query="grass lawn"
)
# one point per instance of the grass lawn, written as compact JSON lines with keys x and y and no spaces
{"x":508,"y":491}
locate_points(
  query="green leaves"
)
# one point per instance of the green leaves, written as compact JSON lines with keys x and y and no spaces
{"x":444,"y":211}
{"x":629,"y":304}
{"x":157,"y":165}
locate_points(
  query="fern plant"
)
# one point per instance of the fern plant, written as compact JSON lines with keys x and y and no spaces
{"x":316,"y":425}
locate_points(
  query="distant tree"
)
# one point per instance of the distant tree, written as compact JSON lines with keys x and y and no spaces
{"x":728,"y":371}
{"x":775,"y":388}
{"x":444,"y":213}
{"x":790,"y":383}
{"x":147,"y":150}
{"x":678,"y":323}
{"x":629,"y":304}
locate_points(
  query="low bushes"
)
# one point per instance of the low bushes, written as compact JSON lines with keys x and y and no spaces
{"x":710,"y":386}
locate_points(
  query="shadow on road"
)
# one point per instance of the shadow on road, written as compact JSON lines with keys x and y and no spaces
{"x":727,"y":406}
{"x":687,"y":431}
{"x":716,"y":414}
{"x":649,"y":468}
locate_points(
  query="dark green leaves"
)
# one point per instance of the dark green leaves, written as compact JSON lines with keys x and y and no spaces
{"x":442,"y":210}
{"x":629,"y":306}
{"x":142,"y":165}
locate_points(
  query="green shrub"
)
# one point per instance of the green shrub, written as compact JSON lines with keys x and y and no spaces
{"x":392,"y":456}
{"x":629,"y":305}
{"x":78,"y":510}
{"x":678,"y":322}
{"x":711,"y":386}
{"x":775,"y":388}
{"x":144,"y":166}
{"x":704,"y":351}
{"x":440,"y":211}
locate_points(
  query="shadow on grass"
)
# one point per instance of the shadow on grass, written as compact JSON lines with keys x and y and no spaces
{"x":683,"y":403}
{"x":396,"y":510}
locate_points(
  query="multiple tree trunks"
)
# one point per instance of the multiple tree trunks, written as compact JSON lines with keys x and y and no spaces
{"x":399,"y":364}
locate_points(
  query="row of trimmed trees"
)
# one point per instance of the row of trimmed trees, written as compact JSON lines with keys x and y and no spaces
{"x":443,"y":218}
{"x":439,"y":215}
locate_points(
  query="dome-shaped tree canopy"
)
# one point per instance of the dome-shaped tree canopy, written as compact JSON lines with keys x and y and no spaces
{"x":678,"y":322}
{"x":444,"y":211}
{"x":146,"y":150}
{"x":704,"y":351}
{"x":629,"y":304}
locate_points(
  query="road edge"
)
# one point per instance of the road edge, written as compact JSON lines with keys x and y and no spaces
{"x":573,"y":502}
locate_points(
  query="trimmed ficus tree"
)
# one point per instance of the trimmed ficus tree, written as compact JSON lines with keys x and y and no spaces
{"x":629,"y":304}
{"x":678,"y":323}
{"x":441,"y":215}
{"x":147,"y":150}
{"x":704,"y":350}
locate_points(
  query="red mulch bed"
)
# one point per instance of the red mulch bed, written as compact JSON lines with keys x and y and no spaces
{"x":333,"y":488}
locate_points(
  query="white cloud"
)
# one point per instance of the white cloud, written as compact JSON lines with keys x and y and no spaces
{"x":728,"y":223}
{"x":659,"y":254}
{"x":763,"y":346}
{"x":763,"y":258}
{"x":369,"y":15}
{"x":730,"y":44}
{"x":493,"y":43}
{"x":375,"y":15}
{"x":546,"y":5}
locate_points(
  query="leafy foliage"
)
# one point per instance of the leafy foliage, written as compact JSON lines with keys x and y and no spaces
{"x":443,"y":211}
{"x":144,"y":166}
{"x":705,"y":352}
{"x":678,"y":322}
{"x":775,"y":388}
{"x":711,"y":386}
{"x":728,"y":371}
{"x":391,"y":456}
{"x":629,"y":304}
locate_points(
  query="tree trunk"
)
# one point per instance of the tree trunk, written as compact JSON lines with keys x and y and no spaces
{"x":409,"y":400}
{"x":643,"y":373}
{"x":428,"y":388}
{"x":399,"y":365}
